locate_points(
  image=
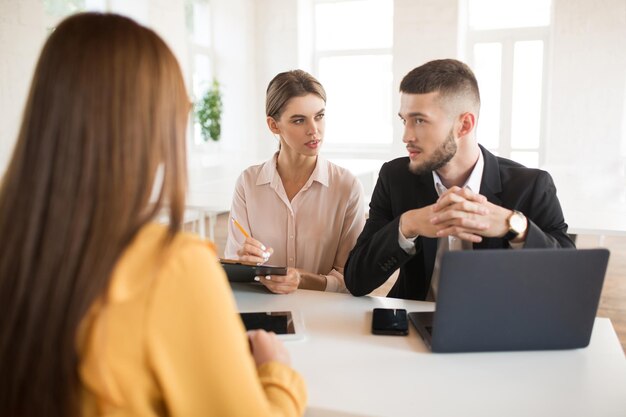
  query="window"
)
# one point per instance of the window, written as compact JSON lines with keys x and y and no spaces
{"x":56,"y":10}
{"x":507,"y":42}
{"x":198,"y":22}
{"x":507,"y":14}
{"x":355,"y":67}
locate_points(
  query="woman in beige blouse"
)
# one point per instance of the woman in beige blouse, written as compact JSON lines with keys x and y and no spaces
{"x":300,"y":210}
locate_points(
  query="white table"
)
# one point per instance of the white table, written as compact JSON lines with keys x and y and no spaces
{"x":350,"y":372}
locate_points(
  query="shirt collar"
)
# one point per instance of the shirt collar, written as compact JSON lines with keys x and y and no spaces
{"x":320,"y":173}
{"x":269,"y":173}
{"x":473,"y":182}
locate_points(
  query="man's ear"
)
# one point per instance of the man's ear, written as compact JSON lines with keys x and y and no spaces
{"x":467,"y":123}
{"x":271,"y":123}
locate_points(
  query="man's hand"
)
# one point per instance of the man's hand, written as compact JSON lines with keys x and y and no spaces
{"x":469,"y":216}
{"x":417,"y":222}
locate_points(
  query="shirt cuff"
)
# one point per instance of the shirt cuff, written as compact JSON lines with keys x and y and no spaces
{"x":335,"y":282}
{"x":406,"y":243}
{"x":518,"y":245}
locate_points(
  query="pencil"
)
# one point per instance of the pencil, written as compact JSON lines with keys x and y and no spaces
{"x":243,"y":231}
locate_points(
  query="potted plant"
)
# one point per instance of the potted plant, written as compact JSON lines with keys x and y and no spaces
{"x":209,"y":113}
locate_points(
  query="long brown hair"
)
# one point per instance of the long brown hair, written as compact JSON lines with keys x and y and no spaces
{"x":106,"y":109}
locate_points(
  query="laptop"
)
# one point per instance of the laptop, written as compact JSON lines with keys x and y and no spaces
{"x":502,"y":300}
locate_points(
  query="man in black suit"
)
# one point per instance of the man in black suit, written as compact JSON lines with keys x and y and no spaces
{"x":450,"y":193}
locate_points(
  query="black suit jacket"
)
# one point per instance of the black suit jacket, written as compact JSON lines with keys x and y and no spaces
{"x":377,"y":253}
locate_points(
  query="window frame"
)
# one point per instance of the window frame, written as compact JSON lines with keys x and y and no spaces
{"x":343,"y":149}
{"x":193,"y":49}
{"x":507,"y":38}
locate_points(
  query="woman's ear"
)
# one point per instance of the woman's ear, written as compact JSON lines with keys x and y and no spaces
{"x":273,"y":126}
{"x":467,"y":122}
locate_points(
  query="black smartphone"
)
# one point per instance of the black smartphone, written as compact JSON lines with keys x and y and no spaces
{"x":390,"y":321}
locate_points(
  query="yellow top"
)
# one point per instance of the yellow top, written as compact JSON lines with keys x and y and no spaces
{"x":169,"y":342}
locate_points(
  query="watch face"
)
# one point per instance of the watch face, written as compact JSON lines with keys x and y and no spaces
{"x":516,"y":222}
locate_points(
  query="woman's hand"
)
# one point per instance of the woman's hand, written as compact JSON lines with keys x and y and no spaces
{"x":281,"y":284}
{"x":267,"y":348}
{"x":254,"y":251}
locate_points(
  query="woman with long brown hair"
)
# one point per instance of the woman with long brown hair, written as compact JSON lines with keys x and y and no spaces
{"x":104,"y":312}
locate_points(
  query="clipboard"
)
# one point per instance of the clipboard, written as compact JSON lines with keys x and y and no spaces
{"x":239,"y":271}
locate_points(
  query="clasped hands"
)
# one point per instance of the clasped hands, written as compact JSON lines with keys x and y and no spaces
{"x":458,"y":212}
{"x":254,"y":251}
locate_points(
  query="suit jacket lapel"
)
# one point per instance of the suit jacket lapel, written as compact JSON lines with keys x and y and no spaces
{"x":425,"y":193}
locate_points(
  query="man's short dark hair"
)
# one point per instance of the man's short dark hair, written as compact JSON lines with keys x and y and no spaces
{"x":451,"y":78}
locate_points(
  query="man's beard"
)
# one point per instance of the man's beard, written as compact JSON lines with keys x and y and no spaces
{"x":442,"y":155}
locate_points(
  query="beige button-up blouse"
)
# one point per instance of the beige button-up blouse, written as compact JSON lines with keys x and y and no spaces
{"x":315,"y":231}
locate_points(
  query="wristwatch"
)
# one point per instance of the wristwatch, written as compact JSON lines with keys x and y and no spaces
{"x":517,"y":225}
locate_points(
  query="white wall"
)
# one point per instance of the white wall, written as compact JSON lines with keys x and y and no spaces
{"x":256,"y":39}
{"x":233,"y":42}
{"x":233,"y":36}
{"x":586,"y":131}
{"x":423,"y":30}
{"x":586,"y":114}
{"x":167,"y":18}
{"x":21,"y":37}
{"x":233,"y":27}
{"x":276,"y":51}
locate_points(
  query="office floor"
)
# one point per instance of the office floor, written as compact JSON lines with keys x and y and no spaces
{"x":612,"y":303}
